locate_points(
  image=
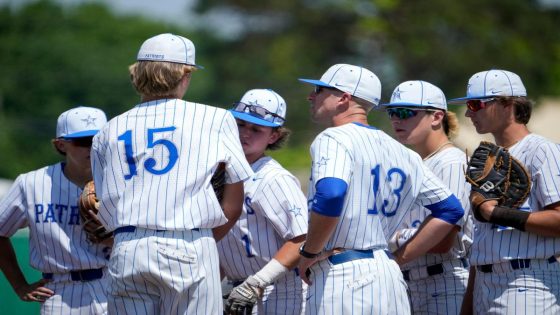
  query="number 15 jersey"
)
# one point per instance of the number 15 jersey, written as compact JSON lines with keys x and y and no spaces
{"x":152,"y":165}
{"x":385,"y":180}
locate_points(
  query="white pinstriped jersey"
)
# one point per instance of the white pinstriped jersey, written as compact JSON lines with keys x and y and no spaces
{"x":385,"y":180}
{"x":448,"y":165}
{"x":47,"y":202}
{"x":274,"y":211}
{"x":493,"y":243}
{"x":152,"y":165}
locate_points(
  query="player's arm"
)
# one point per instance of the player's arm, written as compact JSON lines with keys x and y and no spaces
{"x":467,"y":306}
{"x":544,"y":222}
{"x":11,"y":269}
{"x":232,"y":205}
{"x":434,"y":229}
{"x":325,"y":212}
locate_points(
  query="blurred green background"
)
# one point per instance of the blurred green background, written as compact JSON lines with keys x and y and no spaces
{"x":57,"y":55}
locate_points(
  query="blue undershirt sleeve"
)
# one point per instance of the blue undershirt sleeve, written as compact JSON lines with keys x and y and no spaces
{"x":329,"y":196}
{"x":448,"y":210}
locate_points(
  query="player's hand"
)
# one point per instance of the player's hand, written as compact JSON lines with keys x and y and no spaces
{"x":243,"y":297}
{"x":303,"y":267}
{"x":34,"y":292}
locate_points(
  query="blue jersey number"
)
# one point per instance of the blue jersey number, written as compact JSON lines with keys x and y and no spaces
{"x":395,"y":191}
{"x":150,"y":163}
{"x":247,"y":242}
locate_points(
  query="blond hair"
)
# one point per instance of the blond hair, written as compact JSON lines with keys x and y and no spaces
{"x":157,"y":78}
{"x":450,"y":124}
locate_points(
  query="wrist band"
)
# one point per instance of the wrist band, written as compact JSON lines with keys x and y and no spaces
{"x":305,"y":254}
{"x":509,"y":217}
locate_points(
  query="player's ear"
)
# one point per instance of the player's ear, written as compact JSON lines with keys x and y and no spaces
{"x":59,"y":146}
{"x":437,"y":118}
{"x":274,"y":136}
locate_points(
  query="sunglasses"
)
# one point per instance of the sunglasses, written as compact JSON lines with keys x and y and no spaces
{"x":258,"y":111}
{"x":318,"y":88}
{"x":476,"y":105}
{"x":84,"y":142}
{"x":405,"y":113}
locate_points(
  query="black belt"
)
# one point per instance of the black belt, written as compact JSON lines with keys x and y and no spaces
{"x":79,"y":275}
{"x":130,"y":229}
{"x":433,"y":270}
{"x":515,"y":264}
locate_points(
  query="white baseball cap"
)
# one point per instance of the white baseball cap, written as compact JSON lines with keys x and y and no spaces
{"x":168,"y":47}
{"x":492,"y":83}
{"x":358,"y":81}
{"x":417,"y":94}
{"x":80,"y":122}
{"x":262,"y":107}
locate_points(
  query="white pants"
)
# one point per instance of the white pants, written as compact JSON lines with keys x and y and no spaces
{"x":440,"y":294}
{"x":76,"y":297}
{"x":165,"y":272}
{"x":361,"y":286}
{"x":533,"y":290}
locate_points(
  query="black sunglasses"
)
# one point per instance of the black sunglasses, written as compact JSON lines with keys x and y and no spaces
{"x":403,"y":113}
{"x":84,"y":142}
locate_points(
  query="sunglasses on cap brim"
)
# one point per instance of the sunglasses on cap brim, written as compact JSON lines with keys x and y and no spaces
{"x":258,"y":111}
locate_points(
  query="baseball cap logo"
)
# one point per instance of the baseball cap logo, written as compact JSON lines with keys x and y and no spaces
{"x":89,"y":121}
{"x":397,"y":93}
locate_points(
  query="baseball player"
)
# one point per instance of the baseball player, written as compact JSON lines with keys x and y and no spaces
{"x":152,"y":167}
{"x":264,"y":244}
{"x":419,"y":116}
{"x":361,"y":181}
{"x":46,"y":201}
{"x":514,"y":266}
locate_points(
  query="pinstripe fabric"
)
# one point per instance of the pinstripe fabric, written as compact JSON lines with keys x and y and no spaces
{"x":76,"y":298}
{"x":385,"y":181}
{"x":179,"y":198}
{"x":534,"y":290}
{"x":274,"y":211}
{"x":443,"y":293}
{"x":152,"y":167}
{"x":363,"y":286}
{"x":350,"y":152}
{"x":167,"y":272}
{"x":46,"y":201}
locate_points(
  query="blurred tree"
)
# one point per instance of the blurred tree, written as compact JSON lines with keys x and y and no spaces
{"x":55,"y":58}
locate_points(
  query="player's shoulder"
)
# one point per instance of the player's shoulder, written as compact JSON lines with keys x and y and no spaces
{"x":535,"y":149}
{"x":269,"y":170}
{"x":49,"y":171}
{"x":452,"y":155}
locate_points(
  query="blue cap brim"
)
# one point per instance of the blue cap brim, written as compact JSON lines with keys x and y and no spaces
{"x":460,"y":100}
{"x":253,"y":119}
{"x":82,"y":134}
{"x":316,"y":82}
{"x":402,"y":104}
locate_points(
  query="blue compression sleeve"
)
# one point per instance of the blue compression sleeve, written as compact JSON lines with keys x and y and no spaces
{"x":448,"y":210}
{"x":329,"y":196}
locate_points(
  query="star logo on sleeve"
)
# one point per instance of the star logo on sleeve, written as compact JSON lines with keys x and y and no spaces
{"x":296,"y":211}
{"x":323,"y":161}
{"x":89,"y":120}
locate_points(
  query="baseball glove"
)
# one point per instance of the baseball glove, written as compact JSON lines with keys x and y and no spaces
{"x":495,"y":175}
{"x":218,"y":181}
{"x":89,"y":207}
